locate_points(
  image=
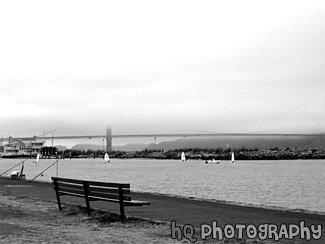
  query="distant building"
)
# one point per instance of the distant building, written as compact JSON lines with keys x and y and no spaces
{"x":19,"y":148}
{"x":314,"y":150}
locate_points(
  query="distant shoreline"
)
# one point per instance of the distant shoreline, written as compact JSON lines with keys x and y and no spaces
{"x":238,"y":158}
{"x":223,"y":155}
{"x":193,"y":154}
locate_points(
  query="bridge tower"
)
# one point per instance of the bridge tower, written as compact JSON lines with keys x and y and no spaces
{"x":108,"y":139}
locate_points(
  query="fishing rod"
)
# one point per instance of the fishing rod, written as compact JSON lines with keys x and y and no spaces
{"x":13,"y":167}
{"x":44,"y":170}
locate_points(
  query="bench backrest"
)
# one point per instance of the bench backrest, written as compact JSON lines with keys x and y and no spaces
{"x":93,"y":189}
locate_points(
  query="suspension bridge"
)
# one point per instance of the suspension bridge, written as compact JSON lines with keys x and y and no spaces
{"x":109,"y":136}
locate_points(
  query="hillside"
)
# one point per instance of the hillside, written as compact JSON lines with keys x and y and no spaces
{"x":219,"y":142}
{"x":86,"y":147}
{"x":127,"y":147}
{"x":242,"y":142}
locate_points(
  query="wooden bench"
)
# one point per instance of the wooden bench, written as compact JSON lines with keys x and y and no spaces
{"x":95,"y":191}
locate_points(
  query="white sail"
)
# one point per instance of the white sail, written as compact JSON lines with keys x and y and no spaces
{"x":37,"y":159}
{"x":183,"y":157}
{"x":232,"y":157}
{"x":106,"y":158}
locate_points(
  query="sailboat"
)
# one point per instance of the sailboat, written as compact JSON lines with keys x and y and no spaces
{"x":183,"y":159}
{"x":106,"y":158}
{"x":232,"y":157}
{"x":37,"y":159}
{"x":213,"y":161}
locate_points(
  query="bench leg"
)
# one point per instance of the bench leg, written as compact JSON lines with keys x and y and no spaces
{"x":88,"y":205}
{"x":59,"y":202}
{"x":122,"y":212}
{"x":86,"y":191}
{"x":57,"y":195}
{"x":121,"y":204}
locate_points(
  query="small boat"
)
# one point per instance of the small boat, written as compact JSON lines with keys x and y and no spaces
{"x":213,"y":161}
{"x":106,"y":158}
{"x":16,"y":175}
{"x":183,"y":159}
{"x":232,"y":157}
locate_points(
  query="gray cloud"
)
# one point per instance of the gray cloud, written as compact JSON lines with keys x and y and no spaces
{"x":212,"y":67}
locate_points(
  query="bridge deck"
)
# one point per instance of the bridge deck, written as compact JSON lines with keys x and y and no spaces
{"x":170,"y":135}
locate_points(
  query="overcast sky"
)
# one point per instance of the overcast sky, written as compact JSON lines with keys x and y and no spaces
{"x":161,"y":66}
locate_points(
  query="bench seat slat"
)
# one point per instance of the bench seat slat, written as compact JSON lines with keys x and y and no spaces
{"x":108,"y":184}
{"x":61,"y":193}
{"x":94,"y":183}
{"x":93,"y":188}
{"x":74,"y":191}
{"x":93,"y":198}
{"x":125,"y":203}
{"x":135,"y":203}
{"x":70,"y":186}
{"x":109,"y":190}
{"x":109,"y":196}
{"x":66,"y":180}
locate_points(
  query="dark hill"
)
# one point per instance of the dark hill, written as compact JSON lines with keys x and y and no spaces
{"x":220,"y":142}
{"x":242,"y":142}
{"x":127,"y":147}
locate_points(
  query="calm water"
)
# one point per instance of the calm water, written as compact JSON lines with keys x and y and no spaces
{"x":297,"y":184}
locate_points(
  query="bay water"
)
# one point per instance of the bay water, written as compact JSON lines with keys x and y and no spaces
{"x":288,"y":184}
